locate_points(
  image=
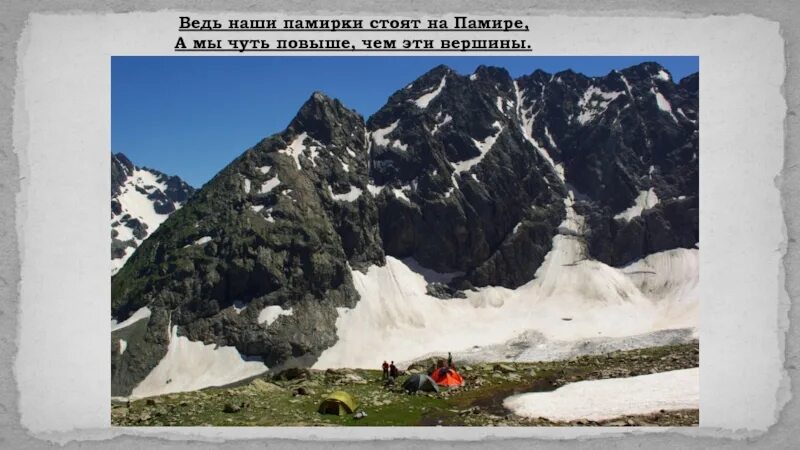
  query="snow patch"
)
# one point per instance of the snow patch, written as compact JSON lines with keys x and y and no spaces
{"x":141,"y":313}
{"x":445,"y":121}
{"x":117,"y":263}
{"x":400,"y":194}
{"x":627,"y":85}
{"x":379,"y":137}
{"x":644,"y":201}
{"x":192,"y":365}
{"x":123,"y":345}
{"x":270,"y":314}
{"x":594,"y":102}
{"x":256,"y":208}
{"x":374,"y":190}
{"x":527,"y":131}
{"x":268,"y":217}
{"x":611,"y":398}
{"x":549,"y":137}
{"x":352,"y":195}
{"x":269,"y":185}
{"x":295,"y":149}
{"x":264,"y":169}
{"x":202,"y":241}
{"x":483,"y":148}
{"x":662,"y":75}
{"x":663,"y":104}
{"x":680,"y":111}
{"x":425,"y":99}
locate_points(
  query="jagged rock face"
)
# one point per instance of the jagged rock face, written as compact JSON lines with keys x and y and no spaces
{"x":141,"y":199}
{"x":617,"y":137}
{"x":278,"y":227}
{"x":461,"y":187}
{"x":463,"y":173}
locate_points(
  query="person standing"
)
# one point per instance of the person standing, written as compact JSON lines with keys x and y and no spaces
{"x":392,"y":370}
{"x":449,"y":360}
{"x":385,"y":370}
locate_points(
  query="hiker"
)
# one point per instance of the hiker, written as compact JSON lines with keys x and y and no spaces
{"x":385,"y":370}
{"x":393,"y":370}
{"x":449,"y":360}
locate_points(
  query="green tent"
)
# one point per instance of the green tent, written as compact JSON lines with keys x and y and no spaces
{"x":338,"y":403}
{"x":420,"y":382}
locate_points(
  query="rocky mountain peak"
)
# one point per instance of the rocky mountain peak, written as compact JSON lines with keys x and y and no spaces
{"x":492,"y":72}
{"x":647,"y":74}
{"x":326,"y":119}
{"x":691,"y":82}
{"x":121,"y":168}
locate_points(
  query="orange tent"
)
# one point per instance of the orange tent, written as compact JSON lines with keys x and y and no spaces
{"x":447,"y":377}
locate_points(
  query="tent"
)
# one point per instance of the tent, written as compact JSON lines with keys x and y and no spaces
{"x":447,"y":377}
{"x":420,"y":382}
{"x":338,"y":403}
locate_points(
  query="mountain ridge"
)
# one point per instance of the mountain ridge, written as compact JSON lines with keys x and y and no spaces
{"x":467,"y":175}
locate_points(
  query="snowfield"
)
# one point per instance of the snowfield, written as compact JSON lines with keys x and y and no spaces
{"x":571,"y":301}
{"x":190,"y":365}
{"x":610,"y":398}
{"x":133,"y":200}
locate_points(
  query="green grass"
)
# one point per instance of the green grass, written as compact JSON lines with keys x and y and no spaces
{"x":279,"y":407}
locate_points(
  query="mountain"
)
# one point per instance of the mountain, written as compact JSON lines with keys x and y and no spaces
{"x":487,"y":206}
{"x":141,"y":199}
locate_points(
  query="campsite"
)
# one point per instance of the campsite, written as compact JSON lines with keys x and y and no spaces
{"x":356,"y":397}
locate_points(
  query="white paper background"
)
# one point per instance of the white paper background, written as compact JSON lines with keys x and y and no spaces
{"x":62,"y":138}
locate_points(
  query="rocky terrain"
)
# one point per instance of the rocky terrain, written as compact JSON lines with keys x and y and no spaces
{"x":473,"y":176}
{"x":291,"y":398}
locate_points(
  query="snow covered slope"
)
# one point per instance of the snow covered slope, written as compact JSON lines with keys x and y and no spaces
{"x":141,"y":199}
{"x":190,"y":365}
{"x":610,"y":398}
{"x":571,"y":299}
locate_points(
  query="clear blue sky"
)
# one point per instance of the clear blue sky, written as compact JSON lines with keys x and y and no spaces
{"x":190,"y":116}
